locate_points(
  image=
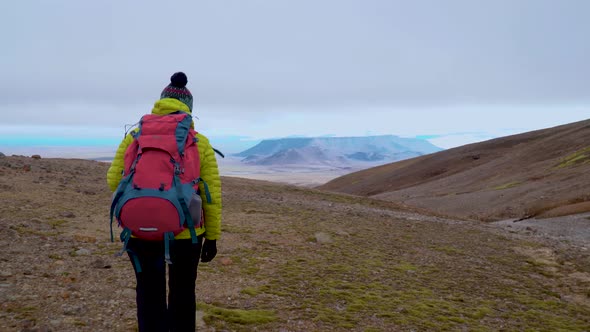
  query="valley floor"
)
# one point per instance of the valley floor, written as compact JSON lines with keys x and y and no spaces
{"x":299,"y":175}
{"x":291,"y":259}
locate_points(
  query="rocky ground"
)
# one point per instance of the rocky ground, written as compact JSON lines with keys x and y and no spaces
{"x":291,"y":259}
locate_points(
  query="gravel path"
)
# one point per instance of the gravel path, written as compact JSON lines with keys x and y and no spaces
{"x":573,"y":229}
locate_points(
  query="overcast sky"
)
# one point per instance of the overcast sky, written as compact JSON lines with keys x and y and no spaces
{"x":455,"y":71}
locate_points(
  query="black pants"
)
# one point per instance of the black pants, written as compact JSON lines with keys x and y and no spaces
{"x":153,"y":314}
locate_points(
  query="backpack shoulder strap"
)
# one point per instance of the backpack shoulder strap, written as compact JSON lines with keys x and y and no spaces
{"x":183,"y":128}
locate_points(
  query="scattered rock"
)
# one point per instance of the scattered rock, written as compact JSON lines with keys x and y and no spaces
{"x":342,"y":233}
{"x":82,"y":252}
{"x":100,"y":264}
{"x":226,"y":261}
{"x":73,"y":310}
{"x":36,"y":156}
{"x":128,"y":293}
{"x":84,"y":238}
{"x":5,"y":275}
{"x":27,"y":168}
{"x":322,"y":237}
{"x":27,"y":325}
{"x":68,"y":214}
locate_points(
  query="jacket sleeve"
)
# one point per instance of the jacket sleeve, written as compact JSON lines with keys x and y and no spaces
{"x":210,"y":175}
{"x":115,"y":172}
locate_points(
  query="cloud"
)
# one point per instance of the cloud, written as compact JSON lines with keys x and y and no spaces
{"x":261,"y":69}
{"x":260,"y":54}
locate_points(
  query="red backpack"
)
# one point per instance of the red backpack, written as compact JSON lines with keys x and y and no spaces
{"x":158,"y":196}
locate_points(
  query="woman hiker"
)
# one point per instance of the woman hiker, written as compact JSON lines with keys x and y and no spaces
{"x":178,"y":312}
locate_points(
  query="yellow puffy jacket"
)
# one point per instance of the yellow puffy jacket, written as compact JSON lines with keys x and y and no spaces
{"x":209,"y":172}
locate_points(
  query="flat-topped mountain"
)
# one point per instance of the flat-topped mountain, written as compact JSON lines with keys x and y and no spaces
{"x":336,"y":151}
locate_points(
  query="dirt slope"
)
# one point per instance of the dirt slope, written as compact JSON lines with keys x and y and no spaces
{"x":290,"y":259}
{"x":544,"y":172}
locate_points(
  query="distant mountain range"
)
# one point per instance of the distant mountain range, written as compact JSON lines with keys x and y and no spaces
{"x":336,"y":151}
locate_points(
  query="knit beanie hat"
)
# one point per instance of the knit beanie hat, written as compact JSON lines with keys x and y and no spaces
{"x":177,"y":90}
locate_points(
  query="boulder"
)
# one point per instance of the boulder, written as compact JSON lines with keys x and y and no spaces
{"x":36,"y":156}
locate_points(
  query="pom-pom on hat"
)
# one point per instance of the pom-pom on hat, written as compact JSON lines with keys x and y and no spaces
{"x":177,"y":90}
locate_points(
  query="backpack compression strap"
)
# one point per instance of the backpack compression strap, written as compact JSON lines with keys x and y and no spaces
{"x":168,"y":237}
{"x":219,"y":153}
{"x":117,"y":196}
{"x":125,"y":236}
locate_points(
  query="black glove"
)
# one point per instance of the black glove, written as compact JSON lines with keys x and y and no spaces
{"x":209,"y":251}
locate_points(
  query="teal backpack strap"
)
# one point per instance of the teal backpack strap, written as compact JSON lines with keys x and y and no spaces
{"x":117,"y":196}
{"x":135,"y":261}
{"x":194,"y":238}
{"x":125,"y":236}
{"x":168,"y":237}
{"x":182,"y":130}
{"x":112,"y":237}
{"x":190,"y":225}
{"x":206,"y":187}
{"x":191,"y":228}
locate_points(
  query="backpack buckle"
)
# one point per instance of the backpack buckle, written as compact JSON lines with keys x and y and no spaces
{"x":177,"y":169}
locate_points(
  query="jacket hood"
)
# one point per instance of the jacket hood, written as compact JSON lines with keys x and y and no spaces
{"x":166,"y":106}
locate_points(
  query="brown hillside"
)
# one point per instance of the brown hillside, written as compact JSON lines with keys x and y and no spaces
{"x":539,"y":173}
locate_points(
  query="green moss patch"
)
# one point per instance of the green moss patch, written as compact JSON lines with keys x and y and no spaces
{"x":250,"y":291}
{"x":236,"y":316}
{"x":449,"y":250}
{"x":579,"y":157}
{"x":56,"y":223}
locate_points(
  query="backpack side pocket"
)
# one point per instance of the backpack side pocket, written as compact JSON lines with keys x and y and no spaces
{"x":195,"y":208}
